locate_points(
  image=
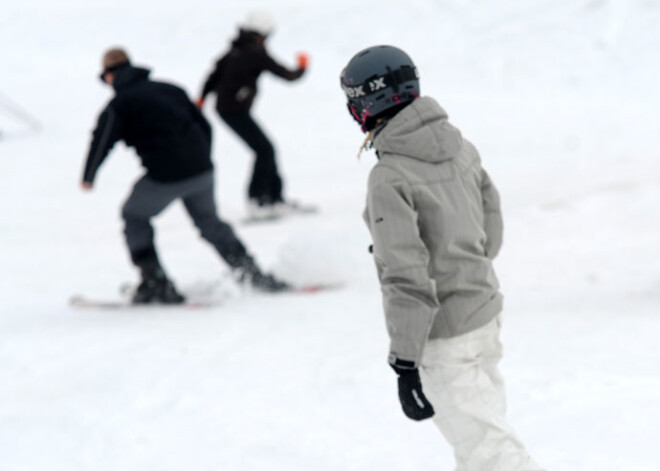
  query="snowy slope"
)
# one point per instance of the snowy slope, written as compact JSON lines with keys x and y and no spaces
{"x":561,"y":99}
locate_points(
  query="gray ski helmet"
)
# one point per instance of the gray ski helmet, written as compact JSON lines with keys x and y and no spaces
{"x":377,"y":79}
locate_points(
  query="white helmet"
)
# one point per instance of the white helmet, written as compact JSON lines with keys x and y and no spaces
{"x":260,"y":22}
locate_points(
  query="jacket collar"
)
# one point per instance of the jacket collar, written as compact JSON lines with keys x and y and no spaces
{"x":127,"y":76}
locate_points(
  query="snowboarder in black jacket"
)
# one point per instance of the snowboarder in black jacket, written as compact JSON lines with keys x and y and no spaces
{"x":234,"y":81}
{"x":173,"y":141}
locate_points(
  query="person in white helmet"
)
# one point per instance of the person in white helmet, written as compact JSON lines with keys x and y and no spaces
{"x":234,"y":81}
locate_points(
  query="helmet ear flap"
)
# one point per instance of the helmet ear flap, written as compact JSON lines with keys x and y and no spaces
{"x":359,"y":114}
{"x":353,"y":112}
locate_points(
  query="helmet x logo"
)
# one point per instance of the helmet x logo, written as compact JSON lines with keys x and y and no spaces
{"x":377,"y":84}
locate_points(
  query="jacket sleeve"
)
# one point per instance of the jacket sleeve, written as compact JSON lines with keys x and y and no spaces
{"x":269,"y":64}
{"x":402,"y":260}
{"x":214,"y":77}
{"x":106,"y":134}
{"x":493,"y":225}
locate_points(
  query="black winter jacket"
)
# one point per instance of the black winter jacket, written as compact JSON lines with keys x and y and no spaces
{"x":169,"y":133}
{"x":234,"y":79}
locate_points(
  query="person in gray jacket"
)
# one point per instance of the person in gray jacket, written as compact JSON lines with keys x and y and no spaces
{"x":434,"y":216}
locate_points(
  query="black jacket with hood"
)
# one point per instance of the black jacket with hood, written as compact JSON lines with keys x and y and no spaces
{"x":234,"y":79}
{"x":169,"y":133}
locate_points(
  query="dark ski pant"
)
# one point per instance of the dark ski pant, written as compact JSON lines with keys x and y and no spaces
{"x":266,"y":183}
{"x":150,"y":197}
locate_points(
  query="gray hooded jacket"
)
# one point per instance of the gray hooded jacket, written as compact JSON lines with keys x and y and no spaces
{"x":435,"y":220}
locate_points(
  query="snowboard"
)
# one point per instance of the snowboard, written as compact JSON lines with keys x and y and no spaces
{"x":124,"y":302}
{"x":282,"y":211}
{"x":85,"y":302}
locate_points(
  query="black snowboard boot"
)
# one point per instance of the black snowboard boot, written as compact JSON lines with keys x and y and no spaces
{"x":155,"y":287}
{"x":249,"y":274}
{"x":157,"y":290}
{"x":268,"y":283}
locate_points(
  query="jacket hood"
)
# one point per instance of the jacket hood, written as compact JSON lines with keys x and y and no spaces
{"x":421,"y":131}
{"x":128,"y":75}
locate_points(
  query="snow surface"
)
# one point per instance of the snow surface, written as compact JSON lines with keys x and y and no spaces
{"x":560,"y":97}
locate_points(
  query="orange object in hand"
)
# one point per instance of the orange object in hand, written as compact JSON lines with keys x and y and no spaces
{"x":303,"y":60}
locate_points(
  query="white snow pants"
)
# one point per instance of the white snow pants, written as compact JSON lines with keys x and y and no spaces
{"x":461,"y":380}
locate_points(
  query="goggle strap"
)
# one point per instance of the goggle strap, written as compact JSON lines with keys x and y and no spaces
{"x":375,"y":83}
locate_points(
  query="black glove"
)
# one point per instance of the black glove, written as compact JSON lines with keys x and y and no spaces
{"x":414,"y":403}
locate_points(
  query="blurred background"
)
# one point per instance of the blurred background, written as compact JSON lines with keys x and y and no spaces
{"x":561,"y":99}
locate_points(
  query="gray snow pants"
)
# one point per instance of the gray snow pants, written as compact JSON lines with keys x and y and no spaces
{"x":150,"y":197}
